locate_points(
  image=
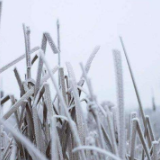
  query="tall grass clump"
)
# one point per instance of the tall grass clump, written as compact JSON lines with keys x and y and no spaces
{"x":72,"y":124}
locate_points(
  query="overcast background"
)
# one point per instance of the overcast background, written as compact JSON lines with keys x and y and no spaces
{"x":85,"y":24}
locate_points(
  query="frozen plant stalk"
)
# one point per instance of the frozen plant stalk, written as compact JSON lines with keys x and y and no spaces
{"x":155,"y":150}
{"x":120,"y":98}
{"x":26,"y":31}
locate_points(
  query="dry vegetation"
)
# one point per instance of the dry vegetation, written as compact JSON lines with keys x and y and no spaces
{"x":40,"y":126}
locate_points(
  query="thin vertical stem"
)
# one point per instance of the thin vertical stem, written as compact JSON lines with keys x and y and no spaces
{"x":40,"y":65}
{"x":133,"y":138}
{"x":143,"y":140}
{"x":120,"y":99}
{"x":26,"y":31}
{"x":155,"y":150}
{"x":134,"y":83}
{"x":58,"y":42}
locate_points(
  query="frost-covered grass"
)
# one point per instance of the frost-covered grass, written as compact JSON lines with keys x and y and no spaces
{"x":40,"y":126}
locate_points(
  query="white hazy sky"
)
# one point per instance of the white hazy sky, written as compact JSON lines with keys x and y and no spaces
{"x":85,"y":24}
